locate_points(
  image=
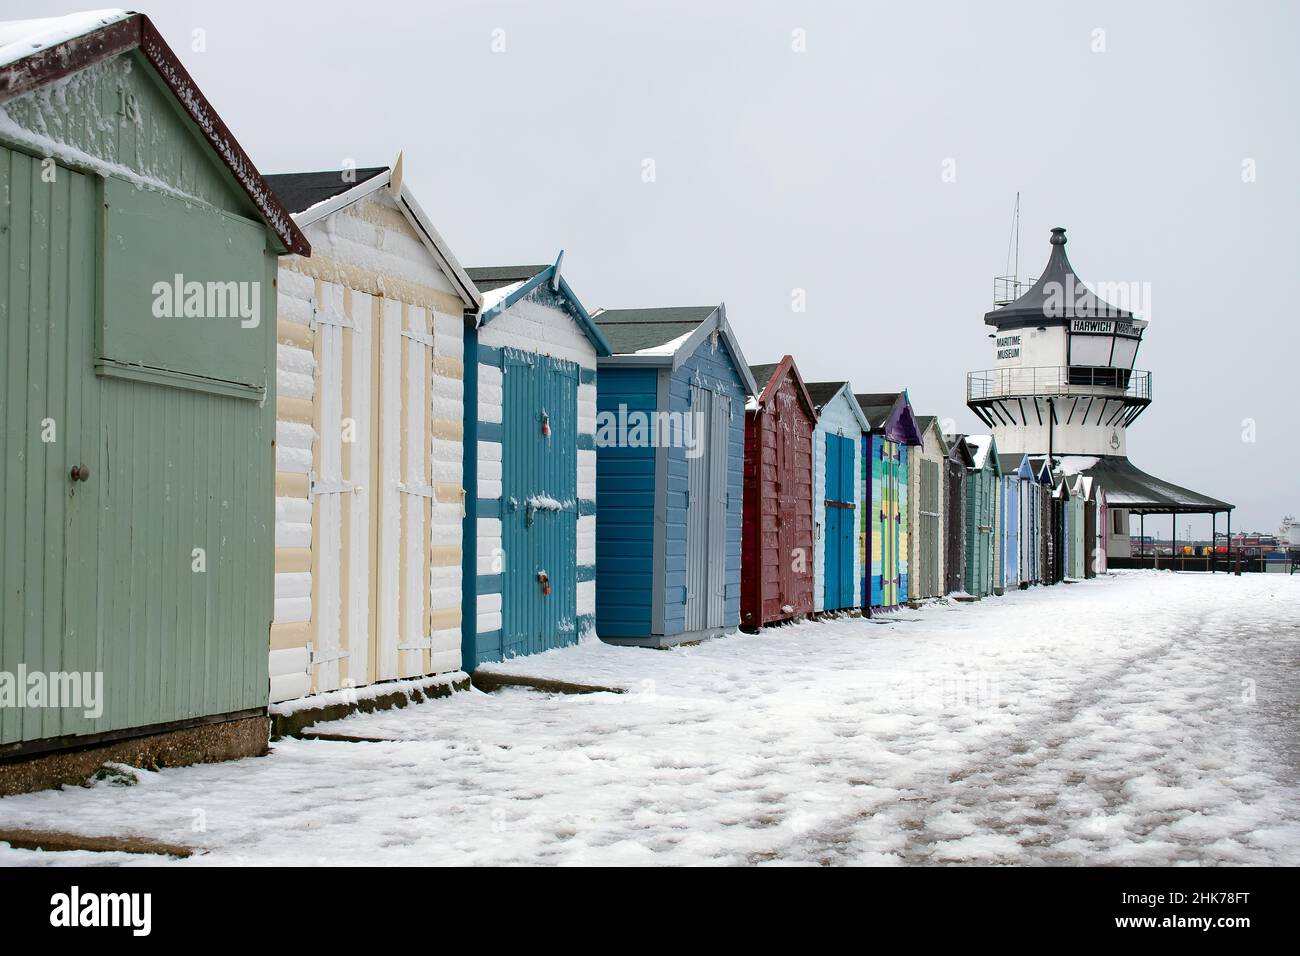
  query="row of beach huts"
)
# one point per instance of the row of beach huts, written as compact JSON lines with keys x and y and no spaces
{"x":266,"y":438}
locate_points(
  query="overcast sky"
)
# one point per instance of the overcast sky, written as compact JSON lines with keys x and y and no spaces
{"x":823,"y":170}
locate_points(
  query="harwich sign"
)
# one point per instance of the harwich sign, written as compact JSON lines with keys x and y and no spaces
{"x":1131,"y":330}
{"x":1105,"y":342}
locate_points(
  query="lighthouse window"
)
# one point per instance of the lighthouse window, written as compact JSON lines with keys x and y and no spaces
{"x":1090,"y":349}
{"x":1125,"y":352}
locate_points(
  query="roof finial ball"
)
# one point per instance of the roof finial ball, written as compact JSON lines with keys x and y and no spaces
{"x":1058,"y":236}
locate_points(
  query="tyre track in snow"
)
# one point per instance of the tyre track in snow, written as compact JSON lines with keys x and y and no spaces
{"x":1051,"y":793}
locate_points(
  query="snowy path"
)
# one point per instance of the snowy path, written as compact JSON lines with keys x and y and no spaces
{"x":1142,"y":718}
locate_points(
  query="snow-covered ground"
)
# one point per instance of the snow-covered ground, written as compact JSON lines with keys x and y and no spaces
{"x":1145,"y":718}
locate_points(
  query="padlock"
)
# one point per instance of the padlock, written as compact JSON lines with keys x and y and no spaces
{"x":545,"y":581}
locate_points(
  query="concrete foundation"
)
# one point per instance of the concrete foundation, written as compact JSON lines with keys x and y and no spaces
{"x":206,"y":743}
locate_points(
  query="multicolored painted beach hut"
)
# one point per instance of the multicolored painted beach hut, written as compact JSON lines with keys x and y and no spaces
{"x":982,"y":516}
{"x":925,"y":475}
{"x":139,"y":246}
{"x":529,"y":534}
{"x":777,"y":539}
{"x":960,"y":461}
{"x":885,"y":524}
{"x":838,"y":495}
{"x":670,"y":451}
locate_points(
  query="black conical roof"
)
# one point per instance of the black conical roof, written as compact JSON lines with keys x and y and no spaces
{"x":1059,"y":294}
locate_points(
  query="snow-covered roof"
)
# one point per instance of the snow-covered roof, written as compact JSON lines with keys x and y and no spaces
{"x":513,"y":283}
{"x":1073,"y":464}
{"x":669,"y":336}
{"x":22,"y":38}
{"x":38,"y":53}
{"x":979,"y":446}
{"x":494,"y":297}
{"x":668,"y":348}
{"x":313,"y":196}
{"x":650,"y":331}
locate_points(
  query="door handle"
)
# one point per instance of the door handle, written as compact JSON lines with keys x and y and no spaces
{"x":79,"y":473}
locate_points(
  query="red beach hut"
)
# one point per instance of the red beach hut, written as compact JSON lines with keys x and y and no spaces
{"x":776,"y":567}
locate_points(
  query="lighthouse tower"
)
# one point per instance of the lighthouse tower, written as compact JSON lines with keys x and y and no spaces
{"x":1063,"y":385}
{"x":1063,"y":381}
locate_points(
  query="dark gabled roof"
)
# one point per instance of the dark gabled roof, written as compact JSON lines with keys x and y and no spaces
{"x":301,"y":191}
{"x":631,"y":330}
{"x":763,"y":374}
{"x":957,"y":446}
{"x":924,"y":423}
{"x":53,"y":48}
{"x":1010,"y":461}
{"x":877,"y":405}
{"x":1058,"y":294}
{"x":487,"y":278}
{"x":823,"y":392}
{"x":878,"y":408}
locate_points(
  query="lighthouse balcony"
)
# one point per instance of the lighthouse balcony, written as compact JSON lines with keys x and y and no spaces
{"x":1129,"y":386}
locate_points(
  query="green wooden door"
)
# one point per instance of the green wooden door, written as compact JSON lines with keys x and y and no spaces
{"x":48,"y":415}
{"x":147,"y":585}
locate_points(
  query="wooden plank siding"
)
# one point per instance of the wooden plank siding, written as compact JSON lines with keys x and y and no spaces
{"x":369,"y":490}
{"x":628,"y":493}
{"x":536,"y":338}
{"x":156,"y":571}
{"x":777,"y":560}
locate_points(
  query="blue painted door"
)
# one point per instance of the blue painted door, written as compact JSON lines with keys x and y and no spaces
{"x":840,"y":525}
{"x":539,"y":504}
{"x":831,"y":573}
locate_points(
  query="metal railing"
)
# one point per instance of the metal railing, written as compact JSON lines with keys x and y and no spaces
{"x":1006,"y":289}
{"x":1057,"y":380}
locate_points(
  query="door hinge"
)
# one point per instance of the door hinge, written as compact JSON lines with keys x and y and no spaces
{"x":329,"y":487}
{"x":424,"y":491}
{"x":326,"y":658}
{"x":423,"y":338}
{"x":320,"y":318}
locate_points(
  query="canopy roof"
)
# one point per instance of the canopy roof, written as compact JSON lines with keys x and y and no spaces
{"x":1128,"y":487}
